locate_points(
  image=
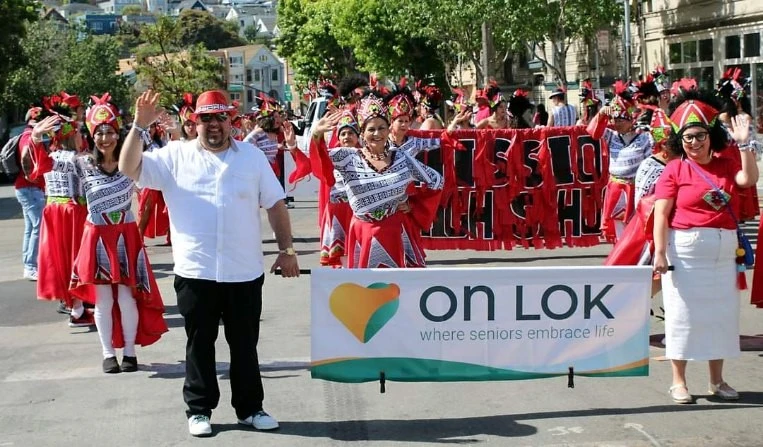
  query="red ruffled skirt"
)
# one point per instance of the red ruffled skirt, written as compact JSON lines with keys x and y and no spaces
{"x":388,"y":243}
{"x":60,"y":239}
{"x":334,"y":228}
{"x":114,"y":254}
{"x":615,"y":192}
{"x":158,"y":217}
{"x":635,"y":246}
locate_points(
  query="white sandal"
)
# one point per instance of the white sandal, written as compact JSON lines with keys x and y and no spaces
{"x":680,"y":394}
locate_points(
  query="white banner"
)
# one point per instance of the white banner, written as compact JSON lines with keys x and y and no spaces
{"x":479,"y":324}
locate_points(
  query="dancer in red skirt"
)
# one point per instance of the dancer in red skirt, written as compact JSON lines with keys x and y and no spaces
{"x":153,"y":218}
{"x":112,"y":269}
{"x":376,"y":179}
{"x":336,"y":215}
{"x":63,"y":218}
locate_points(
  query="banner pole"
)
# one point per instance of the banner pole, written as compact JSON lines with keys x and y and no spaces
{"x":571,"y":378}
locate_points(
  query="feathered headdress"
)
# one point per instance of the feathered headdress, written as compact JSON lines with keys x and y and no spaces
{"x":458,"y":101}
{"x":661,"y":78}
{"x":648,"y":91}
{"x":493,"y":95}
{"x":352,"y":87}
{"x":429,"y":95}
{"x":372,"y":105}
{"x":102,"y":112}
{"x":589,"y":103}
{"x":519,"y":103}
{"x":400,"y":101}
{"x":330,"y":91}
{"x":186,"y":107}
{"x":683,"y":85}
{"x":659,"y":125}
{"x":264,"y":106}
{"x":732,"y":84}
{"x":623,"y":106}
{"x":72,"y":101}
{"x":59,"y":106}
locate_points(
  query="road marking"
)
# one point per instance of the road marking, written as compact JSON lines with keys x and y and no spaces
{"x":640,"y":428}
{"x":271,"y":365}
{"x":561,"y":431}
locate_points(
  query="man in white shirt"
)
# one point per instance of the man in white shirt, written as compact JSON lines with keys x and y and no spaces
{"x":214,"y":188}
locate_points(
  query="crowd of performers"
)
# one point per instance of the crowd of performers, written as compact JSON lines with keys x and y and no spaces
{"x":375,"y":197}
{"x":86,"y":248}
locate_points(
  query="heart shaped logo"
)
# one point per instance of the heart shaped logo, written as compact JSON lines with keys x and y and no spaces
{"x":364,"y":310}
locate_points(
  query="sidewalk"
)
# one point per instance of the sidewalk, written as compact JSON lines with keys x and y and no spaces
{"x":54,"y":394}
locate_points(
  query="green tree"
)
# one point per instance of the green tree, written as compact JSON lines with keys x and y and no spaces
{"x":175,"y":68}
{"x":132,"y":10}
{"x":16,"y":14}
{"x":251,"y":33}
{"x":202,"y":27}
{"x":308,"y":42}
{"x":40,"y":50}
{"x":558,"y":22}
{"x":90,"y":68}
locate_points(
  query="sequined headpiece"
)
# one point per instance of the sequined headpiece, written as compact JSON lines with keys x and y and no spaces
{"x":372,"y":106}
{"x":693,"y":112}
{"x":400,"y":102}
{"x":733,"y":85}
{"x":347,"y":119}
{"x":661,"y":78}
{"x":102,"y":112}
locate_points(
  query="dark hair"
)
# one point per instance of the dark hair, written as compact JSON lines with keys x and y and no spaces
{"x":730,"y":107}
{"x":268,"y":123}
{"x":182,"y":129}
{"x":99,"y":156}
{"x":719,"y":138}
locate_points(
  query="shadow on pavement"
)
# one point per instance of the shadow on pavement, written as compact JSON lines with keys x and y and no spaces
{"x":9,"y":208}
{"x":177,"y":370}
{"x":19,"y":305}
{"x":410,"y":431}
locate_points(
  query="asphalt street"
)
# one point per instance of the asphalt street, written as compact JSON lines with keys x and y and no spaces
{"x":53,"y":393}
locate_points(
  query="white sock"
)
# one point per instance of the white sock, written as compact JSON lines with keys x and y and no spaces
{"x":77,"y":309}
{"x":129,"y":310}
{"x":104,"y":303}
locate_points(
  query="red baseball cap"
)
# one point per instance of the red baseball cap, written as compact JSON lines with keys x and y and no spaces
{"x":213,"y":101}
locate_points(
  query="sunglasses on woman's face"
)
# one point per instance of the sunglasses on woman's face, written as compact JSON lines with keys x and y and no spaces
{"x":207,"y":117}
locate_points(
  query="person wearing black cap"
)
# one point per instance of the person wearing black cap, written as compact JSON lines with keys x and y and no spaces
{"x":562,"y":114}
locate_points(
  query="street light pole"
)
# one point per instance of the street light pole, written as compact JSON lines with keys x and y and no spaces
{"x":627,"y":35}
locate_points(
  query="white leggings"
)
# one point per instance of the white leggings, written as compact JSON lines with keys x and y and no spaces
{"x":103,"y":318}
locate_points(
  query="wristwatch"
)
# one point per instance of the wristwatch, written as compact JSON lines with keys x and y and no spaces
{"x":288,"y":251}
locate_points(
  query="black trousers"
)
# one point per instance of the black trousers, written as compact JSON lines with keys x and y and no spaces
{"x":202,"y":303}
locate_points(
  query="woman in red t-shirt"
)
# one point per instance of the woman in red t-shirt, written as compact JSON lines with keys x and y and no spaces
{"x":695,"y":241}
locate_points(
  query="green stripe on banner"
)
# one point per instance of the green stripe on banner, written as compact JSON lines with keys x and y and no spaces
{"x":428,"y":370}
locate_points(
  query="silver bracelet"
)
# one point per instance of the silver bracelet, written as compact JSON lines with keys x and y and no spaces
{"x":748,"y":147}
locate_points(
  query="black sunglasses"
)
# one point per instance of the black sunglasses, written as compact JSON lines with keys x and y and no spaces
{"x":207,"y":117}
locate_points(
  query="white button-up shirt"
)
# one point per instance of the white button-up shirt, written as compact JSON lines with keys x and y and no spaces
{"x":214,"y":207}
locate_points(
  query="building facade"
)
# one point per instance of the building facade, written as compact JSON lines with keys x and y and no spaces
{"x":702,"y":39}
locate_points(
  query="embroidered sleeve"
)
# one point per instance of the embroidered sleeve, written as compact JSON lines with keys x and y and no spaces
{"x":424,"y":173}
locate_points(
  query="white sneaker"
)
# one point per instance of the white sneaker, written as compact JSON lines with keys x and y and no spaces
{"x":198,"y":425}
{"x":261,"y":421}
{"x":30,"y":275}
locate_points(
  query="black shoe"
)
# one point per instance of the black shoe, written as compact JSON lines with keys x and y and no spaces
{"x":110,"y":365}
{"x":129,"y":364}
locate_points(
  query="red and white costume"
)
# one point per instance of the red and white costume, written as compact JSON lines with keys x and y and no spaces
{"x":63,"y":221}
